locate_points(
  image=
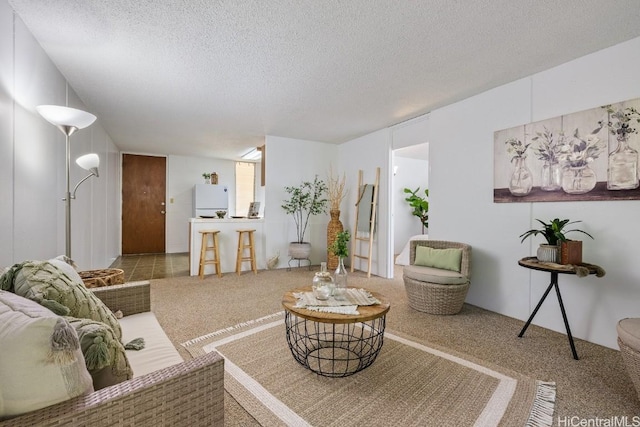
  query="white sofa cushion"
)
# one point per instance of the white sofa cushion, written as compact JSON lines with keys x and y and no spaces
{"x":30,"y":378}
{"x":434,"y":275}
{"x":158,"y":351}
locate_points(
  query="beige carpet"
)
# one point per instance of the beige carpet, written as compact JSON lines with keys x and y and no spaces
{"x":594,"y":386}
{"x":409,"y":384}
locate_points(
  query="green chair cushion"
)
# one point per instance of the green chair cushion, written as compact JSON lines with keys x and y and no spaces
{"x":447,"y":259}
{"x":436,"y":276}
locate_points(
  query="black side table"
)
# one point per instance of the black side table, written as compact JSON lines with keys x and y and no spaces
{"x":555,"y":269}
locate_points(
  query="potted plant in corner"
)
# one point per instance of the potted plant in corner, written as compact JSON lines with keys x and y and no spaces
{"x":420,"y":206}
{"x":554,"y":232}
{"x":207,"y":178}
{"x":304,"y":200}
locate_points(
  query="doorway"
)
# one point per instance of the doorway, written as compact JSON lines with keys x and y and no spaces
{"x":410,"y":169}
{"x":143,"y":204}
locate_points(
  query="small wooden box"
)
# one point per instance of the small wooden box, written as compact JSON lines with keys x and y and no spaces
{"x":571,"y":252}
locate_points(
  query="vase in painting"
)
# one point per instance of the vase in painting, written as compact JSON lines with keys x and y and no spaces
{"x":622,"y":172}
{"x":521,"y":180}
{"x":551,"y":176}
{"x":578,"y":179}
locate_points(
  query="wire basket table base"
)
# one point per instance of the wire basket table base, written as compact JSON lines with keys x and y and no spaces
{"x":334,"y":349}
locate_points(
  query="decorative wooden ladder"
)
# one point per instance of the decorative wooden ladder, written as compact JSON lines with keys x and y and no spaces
{"x":370,"y":206}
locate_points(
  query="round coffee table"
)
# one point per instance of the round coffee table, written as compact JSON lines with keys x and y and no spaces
{"x":331,"y":344}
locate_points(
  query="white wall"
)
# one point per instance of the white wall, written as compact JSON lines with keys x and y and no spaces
{"x":289,"y":162}
{"x":32,"y":154}
{"x":462,"y":206}
{"x":461,"y":195}
{"x":368,"y":153}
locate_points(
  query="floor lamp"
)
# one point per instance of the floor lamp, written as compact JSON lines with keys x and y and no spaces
{"x":69,"y":120}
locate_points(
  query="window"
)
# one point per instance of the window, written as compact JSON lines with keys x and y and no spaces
{"x":245,"y":186}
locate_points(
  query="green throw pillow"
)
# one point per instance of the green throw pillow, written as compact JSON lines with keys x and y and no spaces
{"x":49,"y":286}
{"x":446,"y":259}
{"x":103,"y":352}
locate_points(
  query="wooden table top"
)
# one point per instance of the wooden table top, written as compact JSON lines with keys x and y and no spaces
{"x":534,"y":264}
{"x":367,"y":312}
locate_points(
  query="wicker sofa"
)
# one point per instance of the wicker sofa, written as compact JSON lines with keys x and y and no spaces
{"x":436,"y":290}
{"x":188,"y":393}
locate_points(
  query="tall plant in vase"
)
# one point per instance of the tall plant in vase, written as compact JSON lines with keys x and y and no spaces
{"x":336,"y":192}
{"x":340,"y":248}
{"x":304,"y":200}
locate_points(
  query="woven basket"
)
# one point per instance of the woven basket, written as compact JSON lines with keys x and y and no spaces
{"x":433,"y":298}
{"x":631,"y":359}
{"x":104,"y":277}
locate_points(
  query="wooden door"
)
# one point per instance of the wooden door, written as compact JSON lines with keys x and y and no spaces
{"x":143,"y":204}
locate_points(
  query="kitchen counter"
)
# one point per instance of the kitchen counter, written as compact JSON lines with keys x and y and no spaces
{"x":228,"y":242}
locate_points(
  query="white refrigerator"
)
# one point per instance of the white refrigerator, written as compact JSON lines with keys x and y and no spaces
{"x":209,"y":198}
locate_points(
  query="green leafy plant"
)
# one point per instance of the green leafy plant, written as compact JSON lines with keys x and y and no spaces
{"x":305,"y":200}
{"x":206,"y":175}
{"x":553,"y":231}
{"x":339,"y":247}
{"x":420,"y":205}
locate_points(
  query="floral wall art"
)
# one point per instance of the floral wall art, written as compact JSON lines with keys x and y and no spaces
{"x":588,"y":155}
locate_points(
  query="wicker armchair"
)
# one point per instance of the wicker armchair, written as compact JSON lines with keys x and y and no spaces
{"x":436,"y":291}
{"x":190,"y":393}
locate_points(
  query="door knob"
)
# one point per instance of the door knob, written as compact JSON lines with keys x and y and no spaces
{"x":161,"y":203}
{"x":162,"y":212}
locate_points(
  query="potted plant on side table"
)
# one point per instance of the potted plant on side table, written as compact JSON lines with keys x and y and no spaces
{"x":555,"y":234}
{"x":305,"y":200}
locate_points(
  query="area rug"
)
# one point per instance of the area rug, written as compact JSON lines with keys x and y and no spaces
{"x":410,"y":383}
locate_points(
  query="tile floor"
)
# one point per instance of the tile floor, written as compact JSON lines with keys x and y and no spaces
{"x":152,"y":266}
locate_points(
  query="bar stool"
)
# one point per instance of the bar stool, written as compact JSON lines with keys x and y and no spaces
{"x":204,"y":248}
{"x":242,"y":246}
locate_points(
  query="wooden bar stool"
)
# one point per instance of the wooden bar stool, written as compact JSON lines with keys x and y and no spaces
{"x":242,"y":246}
{"x":205,"y":248}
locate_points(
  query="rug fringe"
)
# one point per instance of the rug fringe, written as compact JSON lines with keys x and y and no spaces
{"x":232,"y":328}
{"x":543,"y":405}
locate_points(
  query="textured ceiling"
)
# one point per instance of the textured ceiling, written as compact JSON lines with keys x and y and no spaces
{"x":213,"y":77}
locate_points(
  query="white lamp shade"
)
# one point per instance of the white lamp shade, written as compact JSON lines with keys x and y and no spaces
{"x":65,"y":116}
{"x":89,"y":162}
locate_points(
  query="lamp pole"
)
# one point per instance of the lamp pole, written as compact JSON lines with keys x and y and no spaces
{"x":68,"y":131}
